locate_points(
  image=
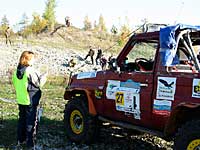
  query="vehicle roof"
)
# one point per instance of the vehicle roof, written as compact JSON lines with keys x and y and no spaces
{"x":147,"y":35}
{"x":166,"y":37}
{"x":164,"y":31}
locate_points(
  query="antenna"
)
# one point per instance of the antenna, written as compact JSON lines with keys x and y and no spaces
{"x":179,"y":12}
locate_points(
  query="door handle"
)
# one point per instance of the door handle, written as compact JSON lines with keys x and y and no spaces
{"x":143,"y":85}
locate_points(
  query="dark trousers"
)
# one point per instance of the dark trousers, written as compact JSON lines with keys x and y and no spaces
{"x":92,"y":60}
{"x":8,"y":40}
{"x":97,"y":59}
{"x":27,"y":124}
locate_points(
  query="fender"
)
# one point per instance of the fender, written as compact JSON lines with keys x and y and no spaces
{"x":69,"y":93}
{"x":177,"y":116}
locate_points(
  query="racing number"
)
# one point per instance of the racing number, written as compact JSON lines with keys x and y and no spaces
{"x":120,"y":98}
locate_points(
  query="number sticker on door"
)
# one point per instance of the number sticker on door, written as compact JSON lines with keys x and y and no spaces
{"x":127,"y":101}
{"x":119,"y":98}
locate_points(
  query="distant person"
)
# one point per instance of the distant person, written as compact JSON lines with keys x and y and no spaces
{"x":72,"y":62}
{"x":8,"y":35}
{"x":110,"y":61}
{"x":103,"y":62}
{"x":91,"y":54}
{"x":27,"y":83}
{"x":110,"y":58}
{"x":67,"y":21}
{"x":99,"y":55}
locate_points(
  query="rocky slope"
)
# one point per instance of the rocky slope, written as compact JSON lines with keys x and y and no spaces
{"x":53,"y":60}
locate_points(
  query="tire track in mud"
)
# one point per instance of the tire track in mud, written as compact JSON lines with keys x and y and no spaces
{"x":112,"y":137}
{"x":109,"y":138}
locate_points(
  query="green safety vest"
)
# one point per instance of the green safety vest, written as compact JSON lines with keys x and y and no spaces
{"x":21,"y":89}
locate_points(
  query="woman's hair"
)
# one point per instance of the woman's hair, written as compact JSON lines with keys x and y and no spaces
{"x":25,"y":57}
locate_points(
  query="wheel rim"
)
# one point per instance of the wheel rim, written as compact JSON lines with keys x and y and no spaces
{"x":194,"y":145}
{"x":76,"y":121}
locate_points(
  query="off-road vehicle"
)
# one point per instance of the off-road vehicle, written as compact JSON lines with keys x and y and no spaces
{"x":152,"y":86}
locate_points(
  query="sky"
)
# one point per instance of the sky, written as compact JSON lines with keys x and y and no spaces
{"x":114,"y":11}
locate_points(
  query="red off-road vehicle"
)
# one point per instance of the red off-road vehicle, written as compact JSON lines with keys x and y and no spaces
{"x":152,"y":86}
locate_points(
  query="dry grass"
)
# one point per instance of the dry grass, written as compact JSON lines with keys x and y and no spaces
{"x":72,"y":38}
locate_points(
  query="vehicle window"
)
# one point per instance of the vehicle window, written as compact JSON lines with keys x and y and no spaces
{"x":141,"y":57}
{"x":186,"y":64}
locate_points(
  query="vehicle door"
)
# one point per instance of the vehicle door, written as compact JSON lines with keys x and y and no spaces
{"x":129,"y":91}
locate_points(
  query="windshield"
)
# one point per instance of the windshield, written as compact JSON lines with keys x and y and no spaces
{"x":141,"y":56}
{"x":143,"y":50}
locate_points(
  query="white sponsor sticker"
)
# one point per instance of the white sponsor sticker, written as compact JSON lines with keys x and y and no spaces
{"x":126,"y":96}
{"x":111,"y":88}
{"x":84,"y":75}
{"x":128,"y":100}
{"x":162,"y":107}
{"x":166,"y":88}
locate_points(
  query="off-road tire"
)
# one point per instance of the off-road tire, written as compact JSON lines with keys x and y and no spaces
{"x":188,"y":133}
{"x":89,"y":130}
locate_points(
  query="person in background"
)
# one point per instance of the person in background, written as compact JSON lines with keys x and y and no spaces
{"x":110,"y":61}
{"x":99,"y":55}
{"x":110,"y":57}
{"x":7,"y":35}
{"x":103,"y":62}
{"x":67,"y":21}
{"x":27,"y":83}
{"x":91,"y":54}
{"x":72,"y":62}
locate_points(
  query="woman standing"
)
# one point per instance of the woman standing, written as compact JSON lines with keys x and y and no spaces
{"x":27,"y":82}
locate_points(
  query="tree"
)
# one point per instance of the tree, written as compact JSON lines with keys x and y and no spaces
{"x":24,"y":22}
{"x":95,"y":24}
{"x":49,"y":14}
{"x":87,"y":23}
{"x":24,"y":19}
{"x":4,"y":21}
{"x":4,"y":24}
{"x":25,"y":28}
{"x":101,"y":26}
{"x":124,"y":31}
{"x":38,"y":24}
{"x":114,"y":30}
